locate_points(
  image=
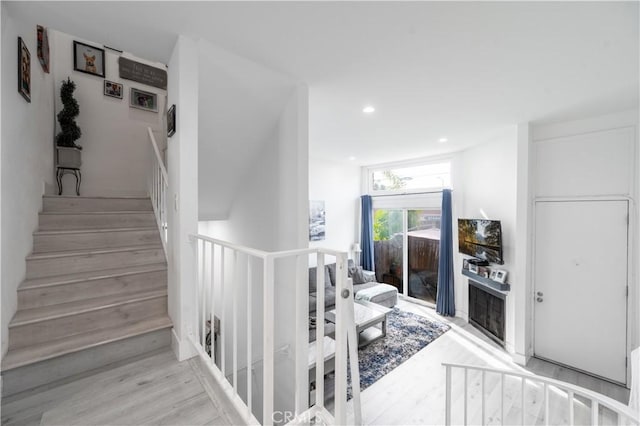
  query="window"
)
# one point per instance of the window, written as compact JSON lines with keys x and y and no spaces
{"x":407,"y":179}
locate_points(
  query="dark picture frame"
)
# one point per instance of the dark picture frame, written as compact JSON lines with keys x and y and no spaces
{"x":113,"y":89}
{"x":171,"y":121}
{"x":24,"y":70}
{"x":43,"y":47}
{"x":143,"y":100}
{"x":88,"y":59}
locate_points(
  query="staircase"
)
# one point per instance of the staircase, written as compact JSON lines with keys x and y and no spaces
{"x":95,"y":291}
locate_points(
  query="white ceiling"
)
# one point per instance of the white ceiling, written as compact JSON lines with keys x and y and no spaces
{"x":461,"y":70}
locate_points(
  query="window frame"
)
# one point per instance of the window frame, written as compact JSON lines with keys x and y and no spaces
{"x":370,"y":170}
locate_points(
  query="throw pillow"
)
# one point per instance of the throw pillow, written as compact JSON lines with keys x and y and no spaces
{"x":358,"y":276}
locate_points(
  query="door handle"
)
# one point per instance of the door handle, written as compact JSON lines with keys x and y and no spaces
{"x":540,"y":293}
{"x":539,"y":299}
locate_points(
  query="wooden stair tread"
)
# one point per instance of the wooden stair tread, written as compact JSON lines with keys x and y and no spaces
{"x":39,"y":352}
{"x":93,"y":230}
{"x":57,"y":254}
{"x":92,"y":213}
{"x":91,"y":275}
{"x":45,"y":313}
{"x":98,"y":197}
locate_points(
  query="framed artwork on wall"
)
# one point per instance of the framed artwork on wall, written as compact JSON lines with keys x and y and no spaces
{"x":24,"y":70}
{"x":143,"y":100}
{"x":43,"y":47}
{"x":113,"y":89}
{"x":316,"y":221}
{"x":88,"y":59}
{"x":171,"y":121}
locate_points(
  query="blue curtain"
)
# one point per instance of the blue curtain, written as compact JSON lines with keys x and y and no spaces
{"x":445,"y":303}
{"x":366,"y":239}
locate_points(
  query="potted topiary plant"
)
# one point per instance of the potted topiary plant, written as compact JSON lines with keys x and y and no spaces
{"x":68,"y":153}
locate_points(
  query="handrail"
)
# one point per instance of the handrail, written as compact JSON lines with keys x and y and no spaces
{"x":158,"y":190}
{"x":603,"y":400}
{"x":227,"y":278}
{"x":261,"y":253}
{"x":163,"y":169}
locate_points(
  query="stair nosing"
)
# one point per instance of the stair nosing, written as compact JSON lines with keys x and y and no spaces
{"x":92,"y":230}
{"x":99,"y":197}
{"x":142,"y":296}
{"x":59,"y":254}
{"x":22,"y":363}
{"x":97,"y":213}
{"x":101,"y":275}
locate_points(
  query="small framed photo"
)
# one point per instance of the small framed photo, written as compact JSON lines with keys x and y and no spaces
{"x":498,"y":275}
{"x":24,"y":70}
{"x":171,"y":121}
{"x":473,"y":268}
{"x":143,"y":100}
{"x":88,"y":59}
{"x":113,"y":89}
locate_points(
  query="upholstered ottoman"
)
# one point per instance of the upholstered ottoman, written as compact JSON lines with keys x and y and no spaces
{"x":382,"y":294}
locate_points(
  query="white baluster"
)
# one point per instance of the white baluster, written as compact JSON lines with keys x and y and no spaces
{"x":268,"y":342}
{"x":447,"y":401}
{"x":320,"y":330}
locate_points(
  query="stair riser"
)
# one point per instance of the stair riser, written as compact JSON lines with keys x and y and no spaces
{"x":83,"y":362}
{"x":94,"y":240}
{"x":90,"y":289}
{"x":49,"y":267}
{"x":66,"y":204}
{"x":50,"y":222}
{"x":111,"y":317}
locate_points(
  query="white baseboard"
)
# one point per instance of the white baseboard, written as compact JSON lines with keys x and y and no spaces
{"x":182,"y":349}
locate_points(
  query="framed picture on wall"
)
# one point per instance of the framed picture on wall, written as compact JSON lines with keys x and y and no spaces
{"x":88,"y":59}
{"x":24,"y":70}
{"x":143,"y":100}
{"x":316,"y":220}
{"x":113,"y":89}
{"x":171,"y":121}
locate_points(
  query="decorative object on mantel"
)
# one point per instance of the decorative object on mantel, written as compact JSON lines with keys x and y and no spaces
{"x":88,"y":59}
{"x":498,"y":275}
{"x":143,"y":100}
{"x":24,"y":70}
{"x":142,"y":73}
{"x":68,"y":154}
{"x":171,"y":121}
{"x":43,"y":48}
{"x":113,"y":89}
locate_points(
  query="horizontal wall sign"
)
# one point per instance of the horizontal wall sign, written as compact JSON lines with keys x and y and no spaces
{"x":142,"y":73}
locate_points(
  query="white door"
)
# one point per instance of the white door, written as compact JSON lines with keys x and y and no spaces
{"x":581,"y":285}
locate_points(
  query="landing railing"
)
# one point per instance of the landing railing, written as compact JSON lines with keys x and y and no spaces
{"x":158,"y":189}
{"x":510,"y":397}
{"x":243,"y":339}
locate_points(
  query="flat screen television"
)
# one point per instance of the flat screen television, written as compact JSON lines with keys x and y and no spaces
{"x":481,"y":238}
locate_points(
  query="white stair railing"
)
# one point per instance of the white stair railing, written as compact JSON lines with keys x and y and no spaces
{"x":158,"y":189}
{"x":502,"y":403}
{"x":235,"y":330}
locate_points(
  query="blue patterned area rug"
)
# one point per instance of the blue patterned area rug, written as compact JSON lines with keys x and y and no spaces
{"x":407,"y":333}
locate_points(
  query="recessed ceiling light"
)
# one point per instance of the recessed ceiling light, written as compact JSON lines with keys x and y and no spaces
{"x":351,"y":158}
{"x":368,"y":109}
{"x":443,"y":140}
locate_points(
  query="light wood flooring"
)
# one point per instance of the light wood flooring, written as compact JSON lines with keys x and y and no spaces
{"x":156,"y":390}
{"x":414,"y":392}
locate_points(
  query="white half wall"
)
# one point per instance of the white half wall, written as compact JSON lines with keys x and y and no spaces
{"x":26,"y":158}
{"x":116,"y":154}
{"x":182,"y":158}
{"x":485,"y":187}
{"x":338,"y":185}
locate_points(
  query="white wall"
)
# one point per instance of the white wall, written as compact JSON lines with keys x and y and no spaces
{"x":116,"y":152}
{"x":595,"y":157}
{"x":338,"y":185}
{"x":26,"y":158}
{"x":182,"y":159}
{"x":485,"y":187}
